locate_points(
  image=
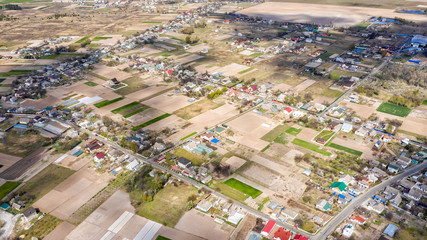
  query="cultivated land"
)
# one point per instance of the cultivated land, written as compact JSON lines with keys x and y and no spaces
{"x":322,"y":14}
{"x":244,"y":188}
{"x":394,"y":109}
{"x":21,"y":166}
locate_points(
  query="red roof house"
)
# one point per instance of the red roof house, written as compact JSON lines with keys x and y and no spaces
{"x":99,"y":157}
{"x":357,"y":219}
{"x":300,"y":237}
{"x":253,"y":88}
{"x":268,"y":227}
{"x":244,"y":89}
{"x":288,"y":110}
{"x":168,"y":72}
{"x":282,"y":234}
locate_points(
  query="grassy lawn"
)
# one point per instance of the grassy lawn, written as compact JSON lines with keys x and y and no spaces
{"x":43,"y":182}
{"x":15,"y":72}
{"x":293,"y":131}
{"x":7,"y":187}
{"x":196,"y":108}
{"x":231,"y":192}
{"x":196,"y":160}
{"x":168,"y":204}
{"x":394,"y":109}
{"x":100,"y":38}
{"x":188,"y":136}
{"x":245,"y":71}
{"x":83,"y":39}
{"x":2,"y":79}
{"x":273,"y":134}
{"x":134,"y":84}
{"x":162,"y":238}
{"x":243,"y":187}
{"x":91,"y":84}
{"x":41,"y":228}
{"x":256,"y":54}
{"x":325,"y":134}
{"x":21,"y":145}
{"x":310,"y":146}
{"x":282,"y":139}
{"x":345,"y":149}
{"x":107,"y":102}
{"x":151,"y":121}
{"x":53,"y":56}
{"x":125,"y":107}
{"x":331,"y":93}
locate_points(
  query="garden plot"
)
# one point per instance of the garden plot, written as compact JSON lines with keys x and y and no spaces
{"x":283,"y":87}
{"x":361,"y":110}
{"x":164,"y":46}
{"x":146,"y":92}
{"x":41,"y":103}
{"x":110,"y":72}
{"x":198,"y":48}
{"x":74,"y":163}
{"x":7,"y":161}
{"x":235,"y":163}
{"x":246,"y":52}
{"x":169,"y":122}
{"x":307,"y":134}
{"x":232,"y":69}
{"x":60,"y":232}
{"x":185,"y":132}
{"x":324,"y":100}
{"x":366,"y":150}
{"x":414,"y":125}
{"x":71,"y":194}
{"x":168,"y":102}
{"x":109,"y":40}
{"x":147,"y":115}
{"x":188,"y":59}
{"x":304,"y":85}
{"x":215,"y":116}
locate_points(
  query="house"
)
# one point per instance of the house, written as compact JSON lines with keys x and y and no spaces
{"x":268,"y":227}
{"x":159,"y":147}
{"x":208,"y":136}
{"x":235,"y":217}
{"x":204,"y":205}
{"x":348,"y":231}
{"x":393,"y":167}
{"x":362,"y":131}
{"x":338,"y":187}
{"x":344,"y":198}
{"x":390,"y":230}
{"x":323,"y":205}
{"x":99,"y":157}
{"x":300,"y":237}
{"x":357,"y":219}
{"x":113,"y":81}
{"x":29,"y":214}
{"x":253,"y":88}
{"x":289,"y":213}
{"x":375,"y":206}
{"x":93,"y":145}
{"x":332,"y":125}
{"x":345,"y":179}
{"x":395,"y":200}
{"x":414,"y":194}
{"x":272,"y":205}
{"x":321,"y":140}
{"x":346,"y":127}
{"x":282,"y":234}
{"x":287,"y":111}
{"x":378,"y":144}
{"x":307,"y":172}
{"x":184,"y":163}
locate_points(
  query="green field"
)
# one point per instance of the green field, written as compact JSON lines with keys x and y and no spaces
{"x":100,"y":38}
{"x":188,"y":136}
{"x":243,"y":187}
{"x":195,"y":159}
{"x":97,"y":76}
{"x":394,"y":109}
{"x":151,"y":121}
{"x":83,"y":39}
{"x":168,"y":205}
{"x":345,"y":149}
{"x":7,"y":187}
{"x":293,"y":131}
{"x":245,"y":71}
{"x":125,"y":107}
{"x":53,"y":56}
{"x":107,"y":102}
{"x":133,"y":84}
{"x":310,"y":146}
{"x":162,"y":238}
{"x":153,"y":22}
{"x":15,"y":72}
{"x":92,"y":84}
{"x":256,"y":54}
{"x":143,"y":108}
{"x":43,"y":182}
{"x":325,"y":134}
{"x":273,"y":134}
{"x":231,"y":192}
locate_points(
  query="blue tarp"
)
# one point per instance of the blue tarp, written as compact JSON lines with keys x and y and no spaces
{"x":78,"y":153}
{"x":215,"y":140}
{"x":341,"y":196}
{"x":20,"y":126}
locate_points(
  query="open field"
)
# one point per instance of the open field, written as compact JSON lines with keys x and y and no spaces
{"x":231,"y":192}
{"x":60,"y":231}
{"x":134,"y":84}
{"x":72,"y":193}
{"x":362,"y":3}
{"x":125,"y":107}
{"x":215,"y":116}
{"x":273,"y":134}
{"x":20,"y":167}
{"x":44,"y":182}
{"x":21,"y":145}
{"x":195,"y":159}
{"x":110,"y":72}
{"x":394,"y":109}
{"x":244,"y":188}
{"x":151,"y":121}
{"x":293,"y":131}
{"x":8,"y":187}
{"x":345,"y":149}
{"x":168,"y":102}
{"x":310,"y":146}
{"x":322,"y":14}
{"x":235,"y":163}
{"x":196,"y":108}
{"x":165,"y":211}
{"x":146,"y":92}
{"x":42,"y":227}
{"x":7,"y":160}
{"x":202,"y":225}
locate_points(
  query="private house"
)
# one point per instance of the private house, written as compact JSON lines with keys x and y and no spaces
{"x":282,"y":234}
{"x":29,"y":214}
{"x":346,"y":127}
{"x":94,"y":145}
{"x":321,"y":140}
{"x":361,"y":132}
{"x":375,"y":206}
{"x":159,"y":147}
{"x":235,"y":217}
{"x":414,"y":194}
{"x":332,"y":125}
{"x":323,"y":205}
{"x":300,"y":237}
{"x":184,"y":163}
{"x":345,"y":179}
{"x":289,"y":213}
{"x":338,"y":187}
{"x":204,"y":205}
{"x":348,"y":231}
{"x":208,"y":136}
{"x":268,"y":227}
{"x":357,"y":219}
{"x":99,"y":157}
{"x":393,"y":167}
{"x":287,"y":111}
{"x":390,"y":230}
{"x":113,"y":82}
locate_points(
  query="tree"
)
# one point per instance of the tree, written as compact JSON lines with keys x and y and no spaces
{"x":188,"y":39}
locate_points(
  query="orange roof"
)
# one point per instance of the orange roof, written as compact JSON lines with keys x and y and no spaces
{"x":358,"y":218}
{"x":282,"y":234}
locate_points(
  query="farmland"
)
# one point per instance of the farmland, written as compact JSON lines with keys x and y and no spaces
{"x":242,"y":187}
{"x":394,"y":109}
{"x":107,"y":102}
{"x":8,"y":187}
{"x":310,"y":146}
{"x":293,"y":131}
{"x":325,"y":134}
{"x":151,"y":121}
{"x":345,"y":149}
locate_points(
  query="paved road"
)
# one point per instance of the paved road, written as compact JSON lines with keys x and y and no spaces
{"x":345,"y":213}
